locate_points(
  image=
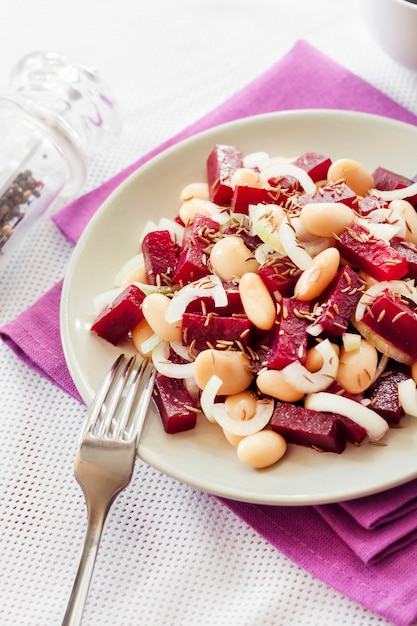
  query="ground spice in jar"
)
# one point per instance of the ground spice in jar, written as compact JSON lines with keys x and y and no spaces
{"x":15,"y":202}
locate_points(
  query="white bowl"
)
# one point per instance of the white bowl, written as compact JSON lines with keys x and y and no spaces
{"x":393,"y":24}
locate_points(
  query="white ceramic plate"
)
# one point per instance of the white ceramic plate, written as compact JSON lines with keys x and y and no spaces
{"x":202,"y":457}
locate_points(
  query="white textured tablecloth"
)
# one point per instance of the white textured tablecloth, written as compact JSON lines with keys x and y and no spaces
{"x":170,"y":555}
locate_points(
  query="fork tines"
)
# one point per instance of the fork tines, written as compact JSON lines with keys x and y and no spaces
{"x":120,"y":405}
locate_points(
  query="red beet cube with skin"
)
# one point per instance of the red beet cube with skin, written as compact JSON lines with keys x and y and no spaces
{"x":174,"y":404}
{"x":159,"y":255}
{"x":120,"y":317}
{"x":222,"y":163}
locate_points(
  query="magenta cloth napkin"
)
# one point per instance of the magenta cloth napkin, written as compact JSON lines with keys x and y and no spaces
{"x":357,"y":546}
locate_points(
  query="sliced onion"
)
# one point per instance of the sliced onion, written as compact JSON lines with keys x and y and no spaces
{"x":160,"y":358}
{"x":149,"y":227}
{"x":380,"y":230}
{"x":278,"y":170}
{"x":375,"y":426}
{"x":209,"y":287}
{"x":208,"y":395}
{"x":263,"y":252}
{"x":257,"y":160}
{"x":291,"y":245}
{"x":395,"y":194}
{"x":407,"y":394}
{"x":389,"y":216}
{"x":181,"y":350}
{"x":105,"y":298}
{"x":175,"y":230}
{"x":147,"y":346}
{"x":266,"y":220}
{"x":263,"y":413}
{"x":122,"y":276}
{"x":305,"y":381}
{"x":351,"y":341}
{"x":147,"y":289}
{"x":192,"y":388}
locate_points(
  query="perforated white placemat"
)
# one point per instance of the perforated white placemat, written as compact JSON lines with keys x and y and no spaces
{"x":170,"y":555}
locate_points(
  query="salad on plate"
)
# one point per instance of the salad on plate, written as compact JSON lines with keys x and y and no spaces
{"x":279,"y":303}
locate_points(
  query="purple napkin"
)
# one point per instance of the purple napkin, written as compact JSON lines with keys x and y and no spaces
{"x":356,"y":546}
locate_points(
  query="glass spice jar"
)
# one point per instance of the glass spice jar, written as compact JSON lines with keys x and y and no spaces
{"x":58,"y":115}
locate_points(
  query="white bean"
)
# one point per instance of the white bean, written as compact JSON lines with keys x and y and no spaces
{"x":245,"y":176}
{"x":231,"y":366}
{"x":189,"y":209}
{"x":357,"y":367}
{"x":324,"y":219}
{"x":257,"y":302}
{"x":355,"y":175}
{"x":230,"y":258}
{"x":195,"y":190}
{"x":314,"y":280}
{"x":154,"y":307}
{"x":272,"y":383}
{"x":261,"y":449}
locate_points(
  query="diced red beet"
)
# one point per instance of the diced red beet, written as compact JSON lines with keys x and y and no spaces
{"x":374,"y":256}
{"x":338,"y":304}
{"x":192,"y":259}
{"x":120,"y":317}
{"x":308,"y":428}
{"x":391,"y":318}
{"x":316,"y":165}
{"x":243,"y":196}
{"x":409,"y":251}
{"x":159,"y":256}
{"x":174,"y":405}
{"x":206,"y":305}
{"x":214,"y":331}
{"x":367,"y":204}
{"x":222,"y":163}
{"x":386,"y":180}
{"x":354,"y":433}
{"x":279,"y":276}
{"x":330,"y":192}
{"x":384,"y":392}
{"x":290,"y":338}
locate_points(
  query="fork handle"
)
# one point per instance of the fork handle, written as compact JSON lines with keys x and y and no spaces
{"x":82,"y":581}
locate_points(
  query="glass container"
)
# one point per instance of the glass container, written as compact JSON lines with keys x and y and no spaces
{"x":58,"y":115}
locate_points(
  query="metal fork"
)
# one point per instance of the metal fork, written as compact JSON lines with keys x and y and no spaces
{"x":105,"y":459}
